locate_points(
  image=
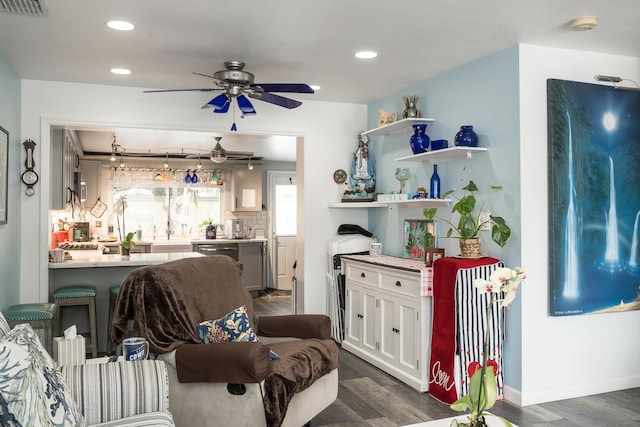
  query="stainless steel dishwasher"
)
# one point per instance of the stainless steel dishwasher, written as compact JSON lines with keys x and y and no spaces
{"x":229,"y":249}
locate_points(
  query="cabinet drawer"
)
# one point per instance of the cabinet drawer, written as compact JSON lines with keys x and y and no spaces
{"x":362,"y":274}
{"x":402,"y":283}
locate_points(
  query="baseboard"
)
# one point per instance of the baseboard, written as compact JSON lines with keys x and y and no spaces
{"x":572,"y":391}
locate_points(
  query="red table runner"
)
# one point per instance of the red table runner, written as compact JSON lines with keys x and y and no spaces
{"x":442,"y":384}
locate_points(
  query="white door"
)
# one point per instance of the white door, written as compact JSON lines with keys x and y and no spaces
{"x":284,"y":214}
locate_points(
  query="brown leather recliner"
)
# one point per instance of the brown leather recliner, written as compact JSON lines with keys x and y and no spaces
{"x":212,"y":384}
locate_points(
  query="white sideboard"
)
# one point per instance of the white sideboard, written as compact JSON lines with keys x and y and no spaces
{"x":387,"y":321}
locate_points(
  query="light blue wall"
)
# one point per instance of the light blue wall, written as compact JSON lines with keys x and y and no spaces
{"x":484,"y":94}
{"x":10,"y":232}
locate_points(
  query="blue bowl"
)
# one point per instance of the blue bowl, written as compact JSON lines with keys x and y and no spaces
{"x":439,"y":144}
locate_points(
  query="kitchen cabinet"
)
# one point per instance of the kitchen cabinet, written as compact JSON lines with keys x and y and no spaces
{"x":65,"y":170}
{"x":247,"y":189}
{"x":251,"y":256}
{"x":90,"y":171}
{"x":388,"y":322}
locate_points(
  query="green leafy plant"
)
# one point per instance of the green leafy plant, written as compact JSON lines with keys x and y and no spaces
{"x":128,"y":242}
{"x":483,"y":388}
{"x":469,"y":223}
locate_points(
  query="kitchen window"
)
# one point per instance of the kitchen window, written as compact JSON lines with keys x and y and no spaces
{"x":159,"y":209}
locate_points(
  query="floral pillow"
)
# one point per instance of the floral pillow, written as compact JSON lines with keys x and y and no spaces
{"x":4,"y":326}
{"x":31,"y":388}
{"x":232,"y":327}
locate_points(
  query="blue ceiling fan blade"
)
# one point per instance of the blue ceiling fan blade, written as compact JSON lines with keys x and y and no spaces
{"x":276,"y":99}
{"x":245,"y":105}
{"x":285,"y":87}
{"x":219,"y":101}
{"x":224,"y":108}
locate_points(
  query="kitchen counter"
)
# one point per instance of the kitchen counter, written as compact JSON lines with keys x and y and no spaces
{"x":215,"y":241}
{"x":97,"y":259}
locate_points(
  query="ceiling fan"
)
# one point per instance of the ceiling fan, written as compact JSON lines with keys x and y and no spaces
{"x":237,"y":84}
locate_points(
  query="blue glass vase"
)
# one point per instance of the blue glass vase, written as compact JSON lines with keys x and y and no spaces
{"x":419,"y":140}
{"x":434,"y":188}
{"x":466,"y":137}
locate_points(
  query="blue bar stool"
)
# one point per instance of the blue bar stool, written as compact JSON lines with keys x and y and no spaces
{"x":113,"y":297}
{"x":38,"y":315}
{"x":75,"y":295}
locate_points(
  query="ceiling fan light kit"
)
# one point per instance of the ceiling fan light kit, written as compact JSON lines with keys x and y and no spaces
{"x":238,"y":84}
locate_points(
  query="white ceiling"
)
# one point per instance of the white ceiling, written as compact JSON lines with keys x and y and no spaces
{"x":299,"y":42}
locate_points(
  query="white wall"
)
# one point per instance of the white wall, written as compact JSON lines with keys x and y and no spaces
{"x":563,"y":357}
{"x":329,"y":131}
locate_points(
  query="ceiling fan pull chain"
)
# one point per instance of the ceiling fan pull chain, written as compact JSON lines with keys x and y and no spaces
{"x":233,"y":126}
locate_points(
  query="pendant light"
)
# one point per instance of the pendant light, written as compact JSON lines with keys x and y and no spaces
{"x":250,"y":165}
{"x":166,"y":162}
{"x":114,"y":148}
{"x":218,"y":154}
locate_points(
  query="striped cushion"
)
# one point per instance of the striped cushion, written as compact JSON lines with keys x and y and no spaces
{"x":112,"y":391}
{"x":153,"y":419}
{"x":4,"y":326}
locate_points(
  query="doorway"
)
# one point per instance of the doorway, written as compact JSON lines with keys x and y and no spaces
{"x":282,"y":195}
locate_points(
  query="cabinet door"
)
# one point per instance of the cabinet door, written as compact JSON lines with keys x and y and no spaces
{"x":250,"y":255}
{"x":247,"y":189}
{"x":353,"y":314}
{"x":388,"y":329}
{"x":369,"y":320}
{"x":408,"y":335}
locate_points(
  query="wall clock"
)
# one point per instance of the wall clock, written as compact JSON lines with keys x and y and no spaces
{"x":29,"y":176}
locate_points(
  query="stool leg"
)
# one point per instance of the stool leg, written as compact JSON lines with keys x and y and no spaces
{"x":94,"y":328}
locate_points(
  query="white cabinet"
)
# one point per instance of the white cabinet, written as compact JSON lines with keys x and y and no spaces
{"x":388,"y":323}
{"x":247,"y":189}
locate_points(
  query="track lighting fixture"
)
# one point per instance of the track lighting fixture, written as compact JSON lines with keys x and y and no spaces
{"x":250,"y":165}
{"x":166,"y":162}
{"x":114,"y":149}
{"x":121,"y":161}
{"x":199,"y":162}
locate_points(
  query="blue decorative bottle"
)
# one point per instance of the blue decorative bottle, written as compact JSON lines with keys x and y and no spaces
{"x":466,"y":137}
{"x":434,"y":189}
{"x":419,"y":140}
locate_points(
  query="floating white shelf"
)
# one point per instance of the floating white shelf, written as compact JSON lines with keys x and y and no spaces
{"x":444,"y":155}
{"x":414,"y":203}
{"x":400,"y":127}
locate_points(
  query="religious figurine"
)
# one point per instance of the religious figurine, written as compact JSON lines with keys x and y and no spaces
{"x":361,"y":184}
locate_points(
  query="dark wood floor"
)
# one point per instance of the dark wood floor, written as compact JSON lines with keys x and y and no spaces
{"x":369,"y":397}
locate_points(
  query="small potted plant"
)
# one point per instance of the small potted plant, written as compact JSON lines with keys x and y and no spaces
{"x":126,"y":242}
{"x":470,"y":223}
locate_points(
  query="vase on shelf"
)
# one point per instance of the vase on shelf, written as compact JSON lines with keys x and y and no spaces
{"x":466,"y":137}
{"x":434,"y":188}
{"x":410,"y":107}
{"x":419,"y":141}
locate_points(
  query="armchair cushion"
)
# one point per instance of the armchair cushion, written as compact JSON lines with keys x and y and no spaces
{"x":112,"y":392}
{"x":32,"y":389}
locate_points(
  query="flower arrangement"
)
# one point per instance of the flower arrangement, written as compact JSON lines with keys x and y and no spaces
{"x":126,"y":241}
{"x":483,"y":388}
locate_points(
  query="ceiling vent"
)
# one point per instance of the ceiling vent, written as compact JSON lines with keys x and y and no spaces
{"x":24,"y":7}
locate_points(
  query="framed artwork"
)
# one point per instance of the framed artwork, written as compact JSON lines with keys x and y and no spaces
{"x":4,"y":174}
{"x":418,"y":235}
{"x":432,"y":254}
{"x":594,"y":203}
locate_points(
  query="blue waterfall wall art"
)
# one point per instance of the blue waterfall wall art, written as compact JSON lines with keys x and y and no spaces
{"x":594,"y":198}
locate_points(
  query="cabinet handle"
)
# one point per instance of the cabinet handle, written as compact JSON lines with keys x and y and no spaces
{"x":398,"y":283}
{"x":362,"y":275}
{"x":360,"y":316}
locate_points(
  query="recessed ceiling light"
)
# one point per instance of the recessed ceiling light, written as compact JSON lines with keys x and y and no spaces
{"x":120,"y":71}
{"x":315,"y":87}
{"x":120,"y":25}
{"x":366,"y":54}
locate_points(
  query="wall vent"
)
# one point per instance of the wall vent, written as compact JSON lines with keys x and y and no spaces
{"x":24,"y":7}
